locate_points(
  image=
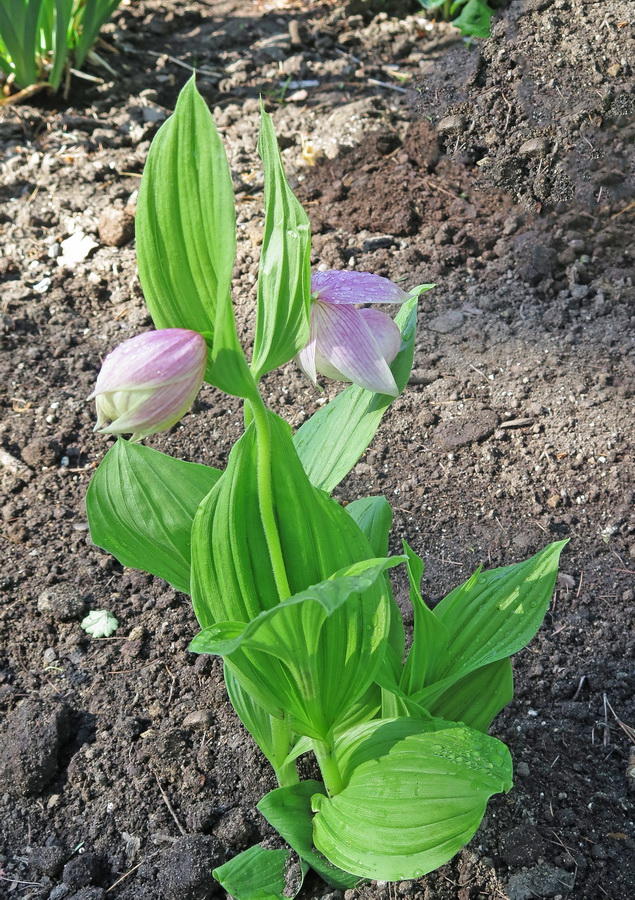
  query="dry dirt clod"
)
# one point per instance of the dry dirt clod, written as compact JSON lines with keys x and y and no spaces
{"x":62,"y":602}
{"x":33,"y":736}
{"x":116,"y":227}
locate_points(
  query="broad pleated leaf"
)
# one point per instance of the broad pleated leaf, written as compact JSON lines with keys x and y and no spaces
{"x":284,"y":279}
{"x":477,"y":698}
{"x":374,"y":517}
{"x":288,"y":810}
{"x":232,"y":575}
{"x":141,"y":505}
{"x":333,"y":439}
{"x":186,"y":237}
{"x":260,"y":874}
{"x":493,"y":615}
{"x":371,"y":740}
{"x":496,"y":613}
{"x":430,"y":637}
{"x":409,"y":809}
{"x":273,"y":736}
{"x":310,"y":658}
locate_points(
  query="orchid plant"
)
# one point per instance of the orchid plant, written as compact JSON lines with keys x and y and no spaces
{"x":291,"y":588}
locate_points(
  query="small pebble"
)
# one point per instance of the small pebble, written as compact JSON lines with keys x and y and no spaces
{"x":451,"y":124}
{"x":200,"y":718}
{"x":378,"y":242}
{"x":535,"y":147}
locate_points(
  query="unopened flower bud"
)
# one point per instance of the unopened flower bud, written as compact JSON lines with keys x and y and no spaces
{"x":149,"y":382}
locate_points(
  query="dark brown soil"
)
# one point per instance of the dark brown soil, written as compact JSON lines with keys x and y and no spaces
{"x":124,"y":772}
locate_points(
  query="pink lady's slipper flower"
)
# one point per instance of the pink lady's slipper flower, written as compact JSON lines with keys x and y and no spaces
{"x":350,"y":344}
{"x":149,"y":382}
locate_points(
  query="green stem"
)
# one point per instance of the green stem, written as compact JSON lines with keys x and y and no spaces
{"x":281,"y":745}
{"x":329,"y":768}
{"x":265,"y":496}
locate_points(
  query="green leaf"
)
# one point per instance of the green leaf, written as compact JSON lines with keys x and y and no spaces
{"x":333,"y":439}
{"x":186,"y":237}
{"x":493,"y":615}
{"x":259,"y":874}
{"x":93,"y":16}
{"x":477,"y":698}
{"x":58,"y":38}
{"x":474,"y":19}
{"x":430,"y":637}
{"x":368,"y":741}
{"x":394,"y":701}
{"x":288,"y":810}
{"x":311,"y":657}
{"x":18,"y":30}
{"x":374,"y":517}
{"x":284,"y":279}
{"x":232,"y":578}
{"x":273,"y":736}
{"x":496,"y":613}
{"x":141,"y":505}
{"x":412,"y":803}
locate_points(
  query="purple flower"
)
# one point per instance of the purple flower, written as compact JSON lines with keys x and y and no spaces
{"x":149,"y":382}
{"x":350,"y":344}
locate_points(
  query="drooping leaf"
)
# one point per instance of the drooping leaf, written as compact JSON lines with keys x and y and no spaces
{"x":430,"y":637}
{"x":284,"y":279}
{"x":232,"y":578}
{"x":311,"y":657}
{"x":288,"y":810}
{"x":477,"y":698}
{"x":260,"y":874}
{"x":333,"y":439}
{"x":141,"y":505}
{"x":412,"y":803}
{"x":186,"y":238}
